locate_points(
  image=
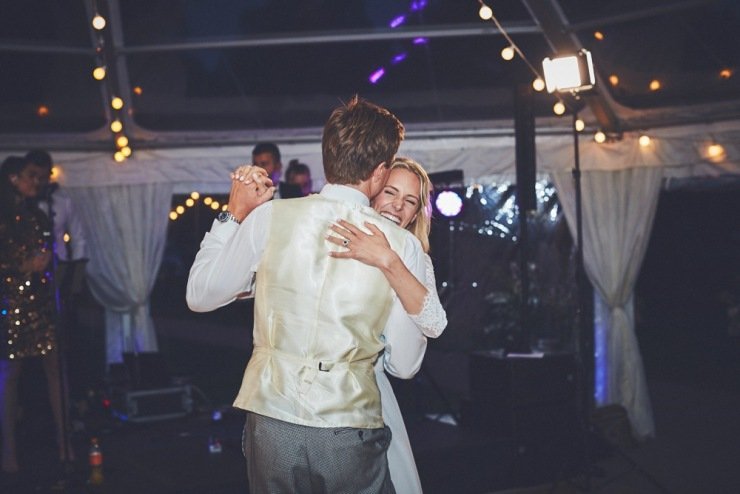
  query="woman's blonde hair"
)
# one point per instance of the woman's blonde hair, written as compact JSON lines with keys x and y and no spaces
{"x":422,"y":222}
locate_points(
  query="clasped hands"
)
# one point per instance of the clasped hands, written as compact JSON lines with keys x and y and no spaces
{"x":250,"y":187}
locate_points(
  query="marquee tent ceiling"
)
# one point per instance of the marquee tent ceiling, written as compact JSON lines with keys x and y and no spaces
{"x":232,"y":71}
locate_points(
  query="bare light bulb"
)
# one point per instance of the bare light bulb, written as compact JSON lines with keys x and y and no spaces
{"x":189,"y":202}
{"x":98,"y":73}
{"x":126,"y":151}
{"x":655,"y":85}
{"x":195,"y":195}
{"x":558,"y":108}
{"x":116,"y":103}
{"x":613,"y":80}
{"x":507,"y":53}
{"x":715,"y":152}
{"x":600,"y":137}
{"x":644,"y":140}
{"x":173,"y":215}
{"x":98,"y":22}
{"x":118,"y":156}
{"x":538,"y":84}
{"x":116,"y":126}
{"x":485,"y":12}
{"x":579,"y":125}
{"x":180,"y":209}
{"x":122,"y":141}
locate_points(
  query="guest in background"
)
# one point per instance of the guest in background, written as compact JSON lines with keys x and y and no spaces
{"x":27,"y":315}
{"x":299,"y":174}
{"x":54,"y":201}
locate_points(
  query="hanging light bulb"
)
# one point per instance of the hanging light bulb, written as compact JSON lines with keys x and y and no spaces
{"x":98,"y":73}
{"x":655,"y":85}
{"x":579,"y":125}
{"x":538,"y":84}
{"x":485,"y":12}
{"x":137,"y":90}
{"x":716,"y":152}
{"x":224,"y":207}
{"x":42,"y":111}
{"x":122,"y":141}
{"x":613,"y":80}
{"x":189,"y":202}
{"x":118,"y":156}
{"x":599,"y":35}
{"x":644,"y":140}
{"x":558,"y":108}
{"x":215,"y":205}
{"x":116,"y":103}
{"x":725,"y":74}
{"x":600,"y":137}
{"x":116,"y":126}
{"x":173,"y":215}
{"x":126,"y":151}
{"x":207,"y":201}
{"x":195,"y":195}
{"x":98,"y":22}
{"x":507,"y":53}
{"x":180,"y":209}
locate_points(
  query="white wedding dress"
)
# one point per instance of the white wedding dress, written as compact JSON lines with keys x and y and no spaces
{"x":431,"y":321}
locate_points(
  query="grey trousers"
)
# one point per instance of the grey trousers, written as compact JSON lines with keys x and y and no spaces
{"x":290,"y":458}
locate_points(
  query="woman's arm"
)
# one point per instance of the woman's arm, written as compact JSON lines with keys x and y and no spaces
{"x":420,"y":300}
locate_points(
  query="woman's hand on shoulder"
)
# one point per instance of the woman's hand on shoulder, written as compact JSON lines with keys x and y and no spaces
{"x":371,"y":248}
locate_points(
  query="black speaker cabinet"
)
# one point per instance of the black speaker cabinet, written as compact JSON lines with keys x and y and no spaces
{"x":530,"y":399}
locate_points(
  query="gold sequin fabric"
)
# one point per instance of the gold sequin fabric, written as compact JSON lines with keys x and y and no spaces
{"x":27,"y":304}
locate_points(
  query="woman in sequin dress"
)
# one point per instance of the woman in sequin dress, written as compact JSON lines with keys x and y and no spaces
{"x":27,"y":304}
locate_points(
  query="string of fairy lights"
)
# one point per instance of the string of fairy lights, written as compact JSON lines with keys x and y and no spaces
{"x":179,"y":210}
{"x":713,"y":151}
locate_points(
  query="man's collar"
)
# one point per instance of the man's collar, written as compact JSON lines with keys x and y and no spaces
{"x":344,"y":193}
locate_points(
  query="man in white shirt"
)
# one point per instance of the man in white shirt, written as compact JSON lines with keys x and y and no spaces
{"x":314,"y":422}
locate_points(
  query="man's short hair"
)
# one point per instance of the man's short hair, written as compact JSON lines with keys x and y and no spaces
{"x":358,"y":137}
{"x":267,"y":147}
{"x":40,"y":157}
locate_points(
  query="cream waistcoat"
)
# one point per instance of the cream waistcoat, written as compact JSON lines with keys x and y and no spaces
{"x":317,"y":321}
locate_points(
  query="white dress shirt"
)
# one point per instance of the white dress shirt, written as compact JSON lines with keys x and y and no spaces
{"x":229,"y":258}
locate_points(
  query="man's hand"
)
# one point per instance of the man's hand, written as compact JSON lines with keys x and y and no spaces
{"x":250,"y":187}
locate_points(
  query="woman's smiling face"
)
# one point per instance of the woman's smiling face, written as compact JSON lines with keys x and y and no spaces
{"x":399,"y":200}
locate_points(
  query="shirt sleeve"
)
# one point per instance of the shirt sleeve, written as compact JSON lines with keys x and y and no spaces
{"x":227,"y":261}
{"x":432,"y":319}
{"x":405,"y":345}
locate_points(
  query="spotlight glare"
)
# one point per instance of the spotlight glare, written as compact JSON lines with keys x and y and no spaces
{"x":448,"y":203}
{"x":485,"y":12}
{"x":600,"y":137}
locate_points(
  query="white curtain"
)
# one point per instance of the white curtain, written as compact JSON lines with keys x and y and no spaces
{"x":126,"y":227}
{"x":618,"y":208}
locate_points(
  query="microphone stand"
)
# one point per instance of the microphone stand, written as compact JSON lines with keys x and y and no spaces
{"x":59,"y":333}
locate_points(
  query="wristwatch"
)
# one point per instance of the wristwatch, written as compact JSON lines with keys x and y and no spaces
{"x":225,"y":216}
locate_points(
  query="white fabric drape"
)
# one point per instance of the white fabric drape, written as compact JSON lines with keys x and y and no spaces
{"x":126,"y":228}
{"x":618,"y":208}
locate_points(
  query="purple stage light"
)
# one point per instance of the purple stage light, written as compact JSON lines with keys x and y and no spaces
{"x":421,"y":41}
{"x":417,"y":5}
{"x":399,"y":58}
{"x":375,"y":76}
{"x":398,"y":21}
{"x":448,"y":203}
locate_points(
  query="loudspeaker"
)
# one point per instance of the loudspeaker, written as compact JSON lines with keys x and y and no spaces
{"x":528,"y":399}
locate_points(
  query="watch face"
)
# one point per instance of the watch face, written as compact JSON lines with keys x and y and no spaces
{"x":223,"y":216}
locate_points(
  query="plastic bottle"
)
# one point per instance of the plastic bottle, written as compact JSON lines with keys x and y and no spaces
{"x":95,"y":458}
